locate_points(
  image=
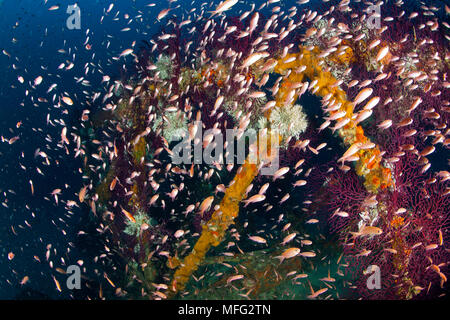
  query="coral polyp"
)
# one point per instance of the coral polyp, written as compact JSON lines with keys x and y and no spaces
{"x":287,"y":121}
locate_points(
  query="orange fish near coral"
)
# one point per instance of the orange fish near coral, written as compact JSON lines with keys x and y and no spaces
{"x":362,"y":95}
{"x":280,"y":172}
{"x":128,"y":215}
{"x":289,"y":238}
{"x":253,"y":58}
{"x":256,"y":198}
{"x":206,"y":205}
{"x":314,"y":295}
{"x":308,"y":254}
{"x":288,"y":253}
{"x":258,"y":239}
{"x":382,"y":53}
{"x":113,"y":184}
{"x":234,"y":278}
{"x":354,"y":148}
{"x":368,"y":231}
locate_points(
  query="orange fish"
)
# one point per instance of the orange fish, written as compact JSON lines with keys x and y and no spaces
{"x":113,"y":184}
{"x":368,"y":231}
{"x":288,"y":253}
{"x":58,"y":286}
{"x":308,"y":254}
{"x":258,"y":239}
{"x":317,"y":293}
{"x":234,"y":278}
{"x":24,"y":280}
{"x":128,"y":215}
{"x":82,"y":194}
{"x":206,"y":205}
{"x":67,"y":101}
{"x":256,"y":198}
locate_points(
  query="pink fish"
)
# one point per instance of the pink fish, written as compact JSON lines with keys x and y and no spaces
{"x":362,"y":95}
{"x":258,"y":239}
{"x":255,"y":198}
{"x":280,"y":172}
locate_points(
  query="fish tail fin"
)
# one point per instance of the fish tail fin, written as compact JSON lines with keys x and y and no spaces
{"x":355,"y":234}
{"x":281,"y":258}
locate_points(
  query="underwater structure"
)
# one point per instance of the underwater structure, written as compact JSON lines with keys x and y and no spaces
{"x":349,"y":107}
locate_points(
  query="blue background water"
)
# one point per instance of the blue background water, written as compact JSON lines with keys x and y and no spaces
{"x":39,"y":34}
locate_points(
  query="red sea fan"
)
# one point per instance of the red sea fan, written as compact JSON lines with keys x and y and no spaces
{"x":411,"y":252}
{"x":345,"y":193}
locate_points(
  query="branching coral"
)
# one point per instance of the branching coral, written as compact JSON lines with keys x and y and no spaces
{"x":134,"y":228}
{"x":287,"y":121}
{"x":164,"y":67}
{"x":174,"y":125}
{"x":242,"y":106}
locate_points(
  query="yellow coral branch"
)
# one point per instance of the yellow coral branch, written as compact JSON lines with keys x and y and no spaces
{"x":215,"y":229}
{"x":369,"y":164}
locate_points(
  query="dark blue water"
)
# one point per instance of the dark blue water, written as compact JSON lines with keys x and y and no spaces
{"x":32,"y":36}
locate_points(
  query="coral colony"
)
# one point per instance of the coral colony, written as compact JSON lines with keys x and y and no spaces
{"x":351,"y":101}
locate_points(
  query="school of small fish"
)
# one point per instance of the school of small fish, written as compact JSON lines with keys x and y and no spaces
{"x":99,"y":144}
